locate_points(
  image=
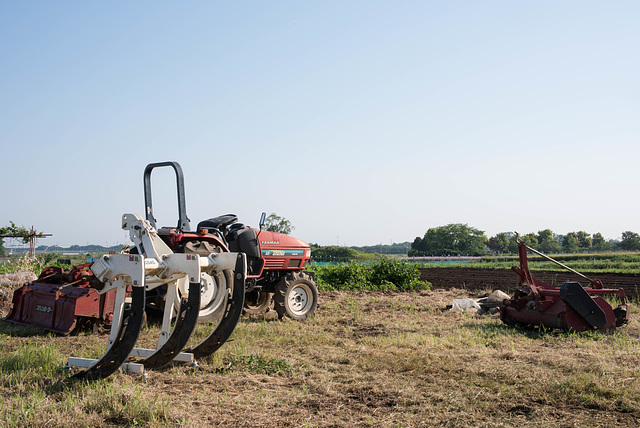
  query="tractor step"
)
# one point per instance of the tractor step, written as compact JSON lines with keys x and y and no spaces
{"x":183,"y":357}
{"x":87,"y":363}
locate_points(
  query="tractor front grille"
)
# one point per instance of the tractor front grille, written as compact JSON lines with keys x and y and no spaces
{"x":294,"y":263}
{"x":274,"y":262}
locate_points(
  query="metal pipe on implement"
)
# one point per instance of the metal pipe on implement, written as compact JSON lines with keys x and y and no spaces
{"x":558,"y":263}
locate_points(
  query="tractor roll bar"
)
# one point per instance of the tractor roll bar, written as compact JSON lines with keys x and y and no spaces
{"x":183,"y":220}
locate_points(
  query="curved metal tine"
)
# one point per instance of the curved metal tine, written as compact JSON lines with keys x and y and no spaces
{"x":231,"y":316}
{"x":184,"y":325}
{"x":123,"y":339}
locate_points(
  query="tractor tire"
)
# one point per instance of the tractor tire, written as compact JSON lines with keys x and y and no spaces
{"x":296,"y":296}
{"x":257,"y":303}
{"x":213,"y":287}
{"x":212,"y":298}
{"x":213,"y":310}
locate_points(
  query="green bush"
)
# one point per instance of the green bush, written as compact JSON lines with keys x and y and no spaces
{"x":344,"y":276}
{"x":339,"y":254}
{"x":30,"y":264}
{"x":401,"y":274}
{"x":384,"y":274}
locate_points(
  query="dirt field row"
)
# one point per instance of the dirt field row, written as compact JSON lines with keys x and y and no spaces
{"x":502,"y":279}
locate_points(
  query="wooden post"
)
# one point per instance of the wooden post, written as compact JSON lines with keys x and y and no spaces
{"x":32,"y":239}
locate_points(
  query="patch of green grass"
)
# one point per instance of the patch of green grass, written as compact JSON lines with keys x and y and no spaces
{"x":30,"y":362}
{"x":256,"y":364}
{"x":124,"y":404}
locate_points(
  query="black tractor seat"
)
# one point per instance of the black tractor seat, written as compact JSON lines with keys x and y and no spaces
{"x":221,"y":222}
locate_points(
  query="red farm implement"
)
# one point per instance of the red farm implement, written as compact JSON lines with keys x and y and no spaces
{"x":569,"y":307}
{"x":60,"y":300}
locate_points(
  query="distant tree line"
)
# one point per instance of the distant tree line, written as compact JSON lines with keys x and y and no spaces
{"x":400,"y":248}
{"x":459,"y":239}
{"x":336,"y":253}
{"x":462,"y":240}
{"x":81,"y":249}
{"x":573,"y":242}
{"x":450,"y":240}
{"x":91,"y":248}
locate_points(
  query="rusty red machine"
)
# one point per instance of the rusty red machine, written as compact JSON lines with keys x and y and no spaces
{"x":569,"y":307}
{"x":59,"y":300}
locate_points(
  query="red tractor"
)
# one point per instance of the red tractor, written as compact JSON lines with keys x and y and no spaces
{"x":276,"y":262}
{"x":283,"y":284}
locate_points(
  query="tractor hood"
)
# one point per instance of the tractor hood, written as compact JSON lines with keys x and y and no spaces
{"x":283,"y":252}
{"x":275,"y":240}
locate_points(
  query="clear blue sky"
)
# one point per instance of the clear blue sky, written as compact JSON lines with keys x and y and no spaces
{"x":362,"y":122}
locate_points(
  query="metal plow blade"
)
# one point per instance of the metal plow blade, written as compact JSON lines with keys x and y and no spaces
{"x":118,"y":272}
{"x":169,"y":347}
{"x":124,"y":339}
{"x":137,"y":274}
{"x":231,"y":315}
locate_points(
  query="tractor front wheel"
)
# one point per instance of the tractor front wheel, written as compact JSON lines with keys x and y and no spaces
{"x":296,"y":296}
{"x":257,"y":303}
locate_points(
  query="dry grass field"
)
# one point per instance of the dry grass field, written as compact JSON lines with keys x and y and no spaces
{"x":366,"y":359}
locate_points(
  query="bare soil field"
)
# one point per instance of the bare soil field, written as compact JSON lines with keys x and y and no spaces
{"x":502,"y":279}
{"x":365,"y":359}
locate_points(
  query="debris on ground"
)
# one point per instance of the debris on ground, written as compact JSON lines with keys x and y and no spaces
{"x":464,"y":305}
{"x":485,"y":305}
{"x":491,"y":303}
{"x":17,"y":279}
{"x":9,"y":282}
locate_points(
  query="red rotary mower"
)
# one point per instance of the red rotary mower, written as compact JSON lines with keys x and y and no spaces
{"x":570,"y":307}
{"x":58,"y":300}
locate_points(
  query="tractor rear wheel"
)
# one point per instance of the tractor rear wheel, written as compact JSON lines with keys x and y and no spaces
{"x":257,"y":303}
{"x":213,"y":288}
{"x":214,"y":292}
{"x":296,"y":296}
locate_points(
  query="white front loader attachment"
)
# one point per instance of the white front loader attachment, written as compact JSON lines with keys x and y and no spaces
{"x":155,"y":265}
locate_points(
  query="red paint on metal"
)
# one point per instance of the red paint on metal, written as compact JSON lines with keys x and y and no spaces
{"x":283,"y":252}
{"x":538,"y":303}
{"x":52,"y":303}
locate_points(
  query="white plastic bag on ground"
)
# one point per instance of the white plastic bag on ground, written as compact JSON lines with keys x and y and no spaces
{"x":464,"y":305}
